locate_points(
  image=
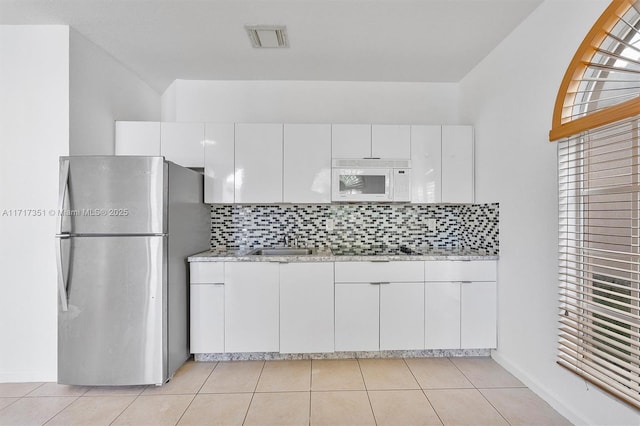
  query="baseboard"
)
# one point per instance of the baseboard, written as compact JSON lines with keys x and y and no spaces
{"x":541,"y":391}
{"x":27,"y":376}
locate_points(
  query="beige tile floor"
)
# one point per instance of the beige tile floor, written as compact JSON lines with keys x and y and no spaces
{"x":433,"y":391}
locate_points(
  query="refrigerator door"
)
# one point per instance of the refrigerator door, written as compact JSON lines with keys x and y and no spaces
{"x":114,"y":329}
{"x":113,"y":195}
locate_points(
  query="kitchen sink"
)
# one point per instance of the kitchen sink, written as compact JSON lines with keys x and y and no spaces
{"x":282,"y":251}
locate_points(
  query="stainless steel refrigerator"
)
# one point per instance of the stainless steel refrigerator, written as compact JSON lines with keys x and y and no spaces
{"x":126,"y":225}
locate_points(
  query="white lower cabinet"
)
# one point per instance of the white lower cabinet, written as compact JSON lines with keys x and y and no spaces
{"x":379,"y":306}
{"x":442,"y":315}
{"x":357,"y":317}
{"x":401,"y":316}
{"x":206,"y":301}
{"x":317,"y":307}
{"x":478,"y":315}
{"x":251,"y":319}
{"x":306,"y":307}
{"x":460,"y":305}
{"x":207,"y":318}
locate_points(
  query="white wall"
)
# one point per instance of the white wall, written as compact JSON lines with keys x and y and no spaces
{"x":509,"y":98}
{"x":34,"y":131}
{"x":102,"y":90}
{"x":311,"y":102}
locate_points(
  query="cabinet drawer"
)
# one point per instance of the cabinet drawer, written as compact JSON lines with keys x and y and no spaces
{"x":366,"y":272}
{"x":448,"y":270}
{"x":206,"y":272}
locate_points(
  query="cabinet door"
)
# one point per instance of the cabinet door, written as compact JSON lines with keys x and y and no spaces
{"x":307,"y":163}
{"x":351,"y":140}
{"x":306,"y":307}
{"x":442,"y":315}
{"x":457,"y":164}
{"x":258,"y":163}
{"x":478,"y":315}
{"x":357,"y":317}
{"x":207,"y":318}
{"x":426,"y":169}
{"x":137,"y":138}
{"x":219,"y":163}
{"x":251,"y":322}
{"x":401,"y":316}
{"x":391,"y":141}
{"x":183,"y":143}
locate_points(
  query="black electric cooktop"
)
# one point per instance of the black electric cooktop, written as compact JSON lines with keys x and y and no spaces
{"x":374,"y":251}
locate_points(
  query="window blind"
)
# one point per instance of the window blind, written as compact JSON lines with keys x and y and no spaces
{"x":599,"y":257}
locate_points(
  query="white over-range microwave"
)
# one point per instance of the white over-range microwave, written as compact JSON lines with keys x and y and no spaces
{"x":371,"y":180}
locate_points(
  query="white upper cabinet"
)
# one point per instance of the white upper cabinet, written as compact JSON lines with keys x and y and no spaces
{"x":351,"y":140}
{"x":183,"y":143}
{"x":307,"y":163}
{"x":426,"y":168}
{"x":219,"y":169}
{"x":370,"y":141}
{"x":258,"y":163}
{"x":391,"y":141}
{"x":457,"y":164}
{"x":442,"y":164}
{"x":137,"y":138}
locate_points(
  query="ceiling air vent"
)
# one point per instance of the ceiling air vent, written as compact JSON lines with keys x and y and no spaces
{"x":267,"y":35}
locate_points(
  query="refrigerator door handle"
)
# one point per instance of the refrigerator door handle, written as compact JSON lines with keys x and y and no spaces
{"x":62,"y":185}
{"x":62,"y":282}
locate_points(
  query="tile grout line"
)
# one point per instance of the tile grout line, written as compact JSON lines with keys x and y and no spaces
{"x":480,"y":392}
{"x":127,"y":407}
{"x":61,"y":410}
{"x":35,"y":389}
{"x":197,"y":392}
{"x":186,"y":409}
{"x":367,"y":391}
{"x":423,"y":392}
{"x":494,"y":407}
{"x":310,"y":388}
{"x":462,"y":372}
{"x":17,"y":398}
{"x":244,"y":420}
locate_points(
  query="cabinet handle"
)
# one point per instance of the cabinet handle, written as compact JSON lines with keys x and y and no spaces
{"x":466,"y":282}
{"x":380,"y":283}
{"x":379,"y":261}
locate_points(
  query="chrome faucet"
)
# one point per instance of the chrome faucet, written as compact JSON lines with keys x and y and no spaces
{"x":288,"y":240}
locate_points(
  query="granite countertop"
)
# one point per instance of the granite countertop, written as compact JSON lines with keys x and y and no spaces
{"x":326,"y":255}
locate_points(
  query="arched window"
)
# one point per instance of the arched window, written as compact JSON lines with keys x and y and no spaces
{"x":596,"y":122}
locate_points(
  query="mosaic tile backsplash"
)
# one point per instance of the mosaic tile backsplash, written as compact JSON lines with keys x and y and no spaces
{"x":473,"y":226}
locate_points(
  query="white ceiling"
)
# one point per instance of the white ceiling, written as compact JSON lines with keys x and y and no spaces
{"x":343,"y":40}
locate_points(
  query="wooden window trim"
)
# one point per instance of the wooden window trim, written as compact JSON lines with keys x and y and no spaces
{"x":561,"y":126}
